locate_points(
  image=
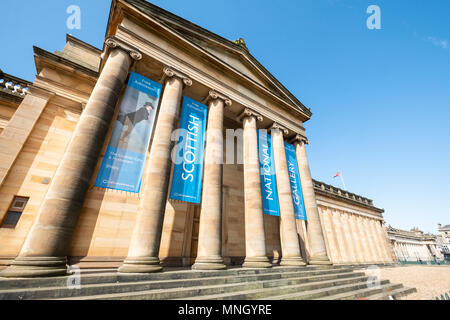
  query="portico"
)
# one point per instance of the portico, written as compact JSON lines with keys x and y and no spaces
{"x":76,"y":222}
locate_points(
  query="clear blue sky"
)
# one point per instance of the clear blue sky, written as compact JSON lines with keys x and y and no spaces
{"x":380,"y":98}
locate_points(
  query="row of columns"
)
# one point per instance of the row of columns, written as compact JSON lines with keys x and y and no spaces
{"x":411,"y":251}
{"x":355,"y":239}
{"x":46,"y":247}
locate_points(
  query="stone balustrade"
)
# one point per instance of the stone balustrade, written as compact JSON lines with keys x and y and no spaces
{"x":329,"y":189}
{"x":13,"y":85}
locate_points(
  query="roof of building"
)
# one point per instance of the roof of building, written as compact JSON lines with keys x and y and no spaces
{"x":414,"y":233}
{"x":329,"y":190}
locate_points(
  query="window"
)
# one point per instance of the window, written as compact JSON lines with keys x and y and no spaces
{"x":15,"y":212}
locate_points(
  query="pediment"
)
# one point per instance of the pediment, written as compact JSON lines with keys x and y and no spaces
{"x":234,"y":55}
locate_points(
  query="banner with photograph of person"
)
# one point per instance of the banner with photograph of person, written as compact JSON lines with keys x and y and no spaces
{"x":294,"y":178}
{"x":188,"y":169}
{"x":267,"y":170}
{"x":123,"y":165}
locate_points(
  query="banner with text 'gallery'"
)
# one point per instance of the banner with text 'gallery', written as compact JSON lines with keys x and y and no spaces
{"x":124,"y":160}
{"x":188,"y":168}
{"x":294,"y":178}
{"x":267,"y":170}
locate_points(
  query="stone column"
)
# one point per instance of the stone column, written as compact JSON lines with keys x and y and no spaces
{"x":45,"y":250}
{"x":317,"y":245}
{"x":376,"y":243}
{"x":384,"y":254}
{"x":365,"y":252}
{"x":255,"y":239}
{"x":210,"y":233}
{"x":376,"y":258}
{"x":344,"y":255}
{"x":349,"y":237}
{"x":290,"y":245}
{"x":385,"y":235}
{"x":356,"y":239}
{"x":145,"y":242}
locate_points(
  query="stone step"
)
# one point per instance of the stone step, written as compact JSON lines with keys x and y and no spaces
{"x":97,"y":289}
{"x":114,"y":277}
{"x":320,"y":292}
{"x":199,"y":291}
{"x":266,"y":293}
{"x":396,"y":294}
{"x":362,"y":293}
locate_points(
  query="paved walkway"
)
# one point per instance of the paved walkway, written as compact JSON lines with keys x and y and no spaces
{"x":430,"y":281}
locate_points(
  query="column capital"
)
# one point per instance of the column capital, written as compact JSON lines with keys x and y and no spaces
{"x":298,"y":138}
{"x":115,"y":43}
{"x":249,"y":113}
{"x":214,"y":95}
{"x":278,"y":126}
{"x":170,"y":72}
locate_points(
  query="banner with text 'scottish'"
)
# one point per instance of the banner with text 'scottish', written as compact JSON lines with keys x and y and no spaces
{"x":188,"y":169}
{"x":267,"y":170}
{"x":294,"y":178}
{"x":123,"y":165}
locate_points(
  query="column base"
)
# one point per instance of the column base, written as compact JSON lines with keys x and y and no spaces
{"x":319,"y":261}
{"x":292,"y":261}
{"x":34,"y":267}
{"x":256,"y":262}
{"x":141,"y":265}
{"x":215,"y":263}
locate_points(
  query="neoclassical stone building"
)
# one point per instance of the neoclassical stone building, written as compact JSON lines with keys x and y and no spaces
{"x":54,"y":139}
{"x":414,"y":245}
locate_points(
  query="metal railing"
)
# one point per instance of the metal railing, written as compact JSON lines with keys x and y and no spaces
{"x":444,"y":296}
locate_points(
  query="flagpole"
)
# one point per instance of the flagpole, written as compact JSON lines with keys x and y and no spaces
{"x":342,"y":179}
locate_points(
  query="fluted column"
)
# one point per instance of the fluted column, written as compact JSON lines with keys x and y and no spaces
{"x":365,"y":250}
{"x":290,"y":245}
{"x":383,"y":251}
{"x":255,"y":239}
{"x":45,"y":250}
{"x":317,"y":244}
{"x":349,"y":237}
{"x":375,"y":256}
{"x":375,"y":241}
{"x":356,"y":239}
{"x":145,"y":242}
{"x":210,"y":233}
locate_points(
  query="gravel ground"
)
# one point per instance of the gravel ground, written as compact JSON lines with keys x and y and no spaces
{"x":430,"y":281}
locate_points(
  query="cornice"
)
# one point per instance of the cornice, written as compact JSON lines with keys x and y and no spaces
{"x":339,"y":194}
{"x":63,"y":63}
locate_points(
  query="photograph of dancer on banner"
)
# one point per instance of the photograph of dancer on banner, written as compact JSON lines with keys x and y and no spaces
{"x":136,"y":115}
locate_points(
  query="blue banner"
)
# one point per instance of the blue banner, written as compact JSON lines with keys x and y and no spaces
{"x":188,"y":168}
{"x":124,"y":160}
{"x":294,"y":178}
{"x":267,"y":170}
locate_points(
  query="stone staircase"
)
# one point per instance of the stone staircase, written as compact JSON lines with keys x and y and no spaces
{"x":278,"y":283}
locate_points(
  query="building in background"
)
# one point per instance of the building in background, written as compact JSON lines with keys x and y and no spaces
{"x":443,"y":240}
{"x":57,"y":209}
{"x":414,"y":246}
